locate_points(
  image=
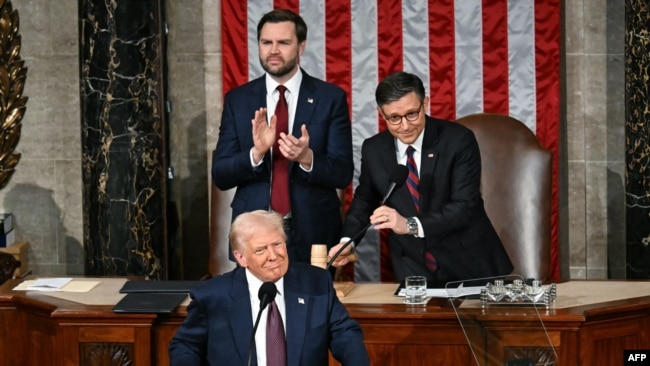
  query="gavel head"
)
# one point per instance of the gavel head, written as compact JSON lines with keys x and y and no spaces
{"x":319,"y":255}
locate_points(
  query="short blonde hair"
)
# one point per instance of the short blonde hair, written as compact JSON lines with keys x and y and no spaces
{"x":248,"y":223}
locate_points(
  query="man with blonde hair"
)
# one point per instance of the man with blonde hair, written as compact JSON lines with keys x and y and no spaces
{"x":220,"y":318}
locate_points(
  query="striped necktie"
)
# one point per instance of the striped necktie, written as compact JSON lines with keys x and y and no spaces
{"x":412,"y":183}
{"x":413,"y":180}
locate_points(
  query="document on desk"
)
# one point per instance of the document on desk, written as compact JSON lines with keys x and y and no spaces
{"x":48,"y":284}
{"x":62,"y":284}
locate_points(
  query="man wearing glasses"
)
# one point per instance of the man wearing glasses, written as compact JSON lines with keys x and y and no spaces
{"x":437,"y":222}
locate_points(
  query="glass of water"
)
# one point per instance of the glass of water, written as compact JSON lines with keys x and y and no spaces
{"x":416,"y":290}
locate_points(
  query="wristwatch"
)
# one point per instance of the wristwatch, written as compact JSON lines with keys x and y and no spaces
{"x":412,"y":225}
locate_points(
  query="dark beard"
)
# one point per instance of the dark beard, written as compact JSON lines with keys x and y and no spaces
{"x":283,"y":71}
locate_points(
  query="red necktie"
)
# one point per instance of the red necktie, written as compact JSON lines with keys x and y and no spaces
{"x":276,"y":346}
{"x":413,"y":181}
{"x":280,"y":178}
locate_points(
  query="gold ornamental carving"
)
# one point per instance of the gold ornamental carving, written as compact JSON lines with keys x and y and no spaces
{"x":12,"y":81}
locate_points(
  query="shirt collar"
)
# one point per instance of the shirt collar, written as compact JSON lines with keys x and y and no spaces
{"x":292,"y":84}
{"x":417,"y":145}
{"x":255,"y":283}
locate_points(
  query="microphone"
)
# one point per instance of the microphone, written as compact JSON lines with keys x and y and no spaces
{"x":266,"y":294}
{"x":397,"y":179}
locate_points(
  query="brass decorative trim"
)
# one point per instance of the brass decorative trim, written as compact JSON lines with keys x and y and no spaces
{"x":13,"y":74}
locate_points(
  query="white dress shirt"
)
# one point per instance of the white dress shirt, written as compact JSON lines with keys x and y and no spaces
{"x":272,"y":97}
{"x":254,"y":285}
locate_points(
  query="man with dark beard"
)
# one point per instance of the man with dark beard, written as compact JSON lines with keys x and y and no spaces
{"x":285,"y":141}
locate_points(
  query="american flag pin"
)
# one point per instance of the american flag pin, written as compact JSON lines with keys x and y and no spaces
{"x":301,"y":300}
{"x":310,"y":100}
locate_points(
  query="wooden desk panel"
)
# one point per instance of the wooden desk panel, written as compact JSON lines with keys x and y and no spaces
{"x":38,"y":329}
{"x":413,"y":341}
{"x":162,"y":334}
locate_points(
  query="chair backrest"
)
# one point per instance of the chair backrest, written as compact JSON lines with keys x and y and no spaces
{"x":8,"y":266}
{"x":516,"y":187}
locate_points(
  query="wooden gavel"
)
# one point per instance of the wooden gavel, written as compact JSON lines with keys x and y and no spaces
{"x":319,"y":257}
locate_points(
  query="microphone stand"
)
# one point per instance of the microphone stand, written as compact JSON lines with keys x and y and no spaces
{"x":264,"y":301}
{"x":250,"y":349}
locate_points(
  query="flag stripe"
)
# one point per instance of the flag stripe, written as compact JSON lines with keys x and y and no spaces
{"x":233,"y":35}
{"x":293,"y":5}
{"x":389,"y":37}
{"x":547,"y":63}
{"x":416,"y":40}
{"x":338,"y":58}
{"x":469,"y":39}
{"x":256,"y":10}
{"x":495,"y":52}
{"x":364,"y":117}
{"x":313,"y":59}
{"x":338,"y":54}
{"x":390,"y":59}
{"x":521,"y":61}
{"x":442,"y":60}
{"x":473,"y":56}
{"x":364,"y":77}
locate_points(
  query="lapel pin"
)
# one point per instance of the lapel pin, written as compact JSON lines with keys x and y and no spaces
{"x":310,"y":100}
{"x":431,"y":155}
{"x":301,"y":300}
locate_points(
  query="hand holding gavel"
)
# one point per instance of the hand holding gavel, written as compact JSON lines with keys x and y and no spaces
{"x":319,"y":257}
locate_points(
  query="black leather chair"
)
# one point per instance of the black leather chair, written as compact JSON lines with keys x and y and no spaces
{"x":516,"y":187}
{"x":8,"y":266}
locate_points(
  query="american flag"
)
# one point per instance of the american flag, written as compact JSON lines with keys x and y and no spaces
{"x":497,"y":56}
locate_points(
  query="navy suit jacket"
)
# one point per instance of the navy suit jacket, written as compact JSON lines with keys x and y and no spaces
{"x":456,"y":227}
{"x":219,"y":322}
{"x":315,"y":204}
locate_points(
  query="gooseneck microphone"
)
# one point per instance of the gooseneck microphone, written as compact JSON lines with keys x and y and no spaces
{"x":266,"y":294}
{"x":397,"y":179}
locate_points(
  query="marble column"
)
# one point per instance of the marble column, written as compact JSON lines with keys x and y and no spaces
{"x":637,"y":137}
{"x":123,"y":137}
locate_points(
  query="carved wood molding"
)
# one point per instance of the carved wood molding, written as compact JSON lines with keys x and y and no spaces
{"x":106,"y":354}
{"x":536,"y":355}
{"x":12,"y":81}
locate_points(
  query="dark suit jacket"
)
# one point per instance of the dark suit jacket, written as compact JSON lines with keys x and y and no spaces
{"x":315,"y":204}
{"x":219,"y":324}
{"x":456,"y":227}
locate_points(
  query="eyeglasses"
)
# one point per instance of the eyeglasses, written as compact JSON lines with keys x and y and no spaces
{"x":410,"y":116}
